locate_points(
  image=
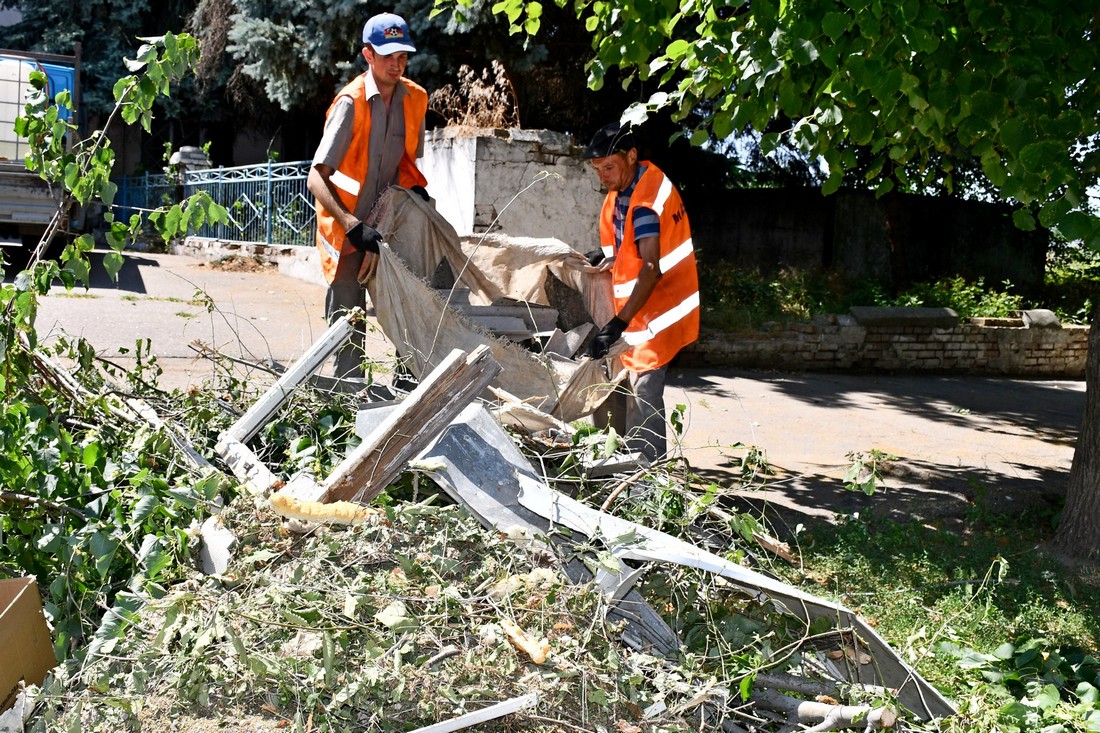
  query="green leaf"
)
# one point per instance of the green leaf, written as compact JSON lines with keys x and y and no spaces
{"x":677,"y":49}
{"x":835,"y":25}
{"x":804,"y":53}
{"x":143,"y":510}
{"x":396,"y":617}
{"x":1041,"y":157}
{"x":103,"y":547}
{"x":790,"y":98}
{"x":112,"y":262}
{"x":1077,"y":225}
{"x":1048,"y":698}
{"x":745,"y":687}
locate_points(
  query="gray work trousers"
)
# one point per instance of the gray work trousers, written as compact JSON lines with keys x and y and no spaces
{"x":345,"y":293}
{"x":638,"y":413}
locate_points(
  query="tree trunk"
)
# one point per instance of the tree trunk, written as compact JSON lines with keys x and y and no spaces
{"x":1078,"y":535}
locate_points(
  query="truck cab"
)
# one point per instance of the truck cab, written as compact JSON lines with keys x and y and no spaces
{"x":27,"y":202}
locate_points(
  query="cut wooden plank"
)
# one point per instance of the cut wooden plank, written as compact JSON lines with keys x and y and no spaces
{"x":416,"y":422}
{"x":262,"y":409}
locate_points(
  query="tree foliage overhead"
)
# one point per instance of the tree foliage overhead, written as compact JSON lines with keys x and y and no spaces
{"x":1013,"y":87}
{"x":299,"y":53}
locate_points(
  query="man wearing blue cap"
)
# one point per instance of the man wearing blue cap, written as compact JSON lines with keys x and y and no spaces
{"x":374,"y":133}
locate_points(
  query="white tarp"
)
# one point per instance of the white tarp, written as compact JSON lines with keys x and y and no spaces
{"x":415,"y":317}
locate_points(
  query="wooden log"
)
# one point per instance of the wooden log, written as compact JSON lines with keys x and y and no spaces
{"x":409,"y":429}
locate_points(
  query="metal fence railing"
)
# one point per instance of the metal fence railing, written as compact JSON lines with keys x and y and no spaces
{"x":266,"y":203}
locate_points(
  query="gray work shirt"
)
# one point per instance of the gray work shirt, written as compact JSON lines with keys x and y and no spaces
{"x":386,"y":145}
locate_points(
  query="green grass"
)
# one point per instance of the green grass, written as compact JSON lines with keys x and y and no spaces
{"x":953,"y":602}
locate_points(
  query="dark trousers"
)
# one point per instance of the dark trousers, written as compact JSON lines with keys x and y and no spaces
{"x":345,"y":293}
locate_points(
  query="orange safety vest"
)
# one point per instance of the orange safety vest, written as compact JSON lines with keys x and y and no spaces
{"x":352,"y":171}
{"x":669,"y":320}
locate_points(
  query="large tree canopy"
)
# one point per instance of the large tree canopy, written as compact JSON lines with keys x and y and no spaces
{"x":1014,"y":87}
{"x":923,"y":87}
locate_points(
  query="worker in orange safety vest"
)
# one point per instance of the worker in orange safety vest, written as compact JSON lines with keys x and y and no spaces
{"x":646,"y":244}
{"x":374,"y":134}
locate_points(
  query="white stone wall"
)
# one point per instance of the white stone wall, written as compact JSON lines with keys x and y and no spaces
{"x":524,"y":183}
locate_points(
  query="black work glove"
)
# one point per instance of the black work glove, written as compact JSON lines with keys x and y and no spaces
{"x":608,"y":335}
{"x":421,"y":192}
{"x":595,"y":257}
{"x":364,"y":238}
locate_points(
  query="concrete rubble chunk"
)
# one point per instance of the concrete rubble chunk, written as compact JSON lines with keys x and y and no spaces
{"x":905,"y":316}
{"x":1040,"y":318}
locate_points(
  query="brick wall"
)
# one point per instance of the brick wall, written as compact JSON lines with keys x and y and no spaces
{"x":842,"y":343}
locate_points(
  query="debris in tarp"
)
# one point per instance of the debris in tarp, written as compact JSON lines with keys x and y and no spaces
{"x":424,"y":327}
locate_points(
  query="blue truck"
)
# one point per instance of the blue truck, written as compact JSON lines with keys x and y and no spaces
{"x":27,"y":202}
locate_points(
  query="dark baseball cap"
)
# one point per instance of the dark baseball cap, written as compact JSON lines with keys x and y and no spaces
{"x":611,"y":139}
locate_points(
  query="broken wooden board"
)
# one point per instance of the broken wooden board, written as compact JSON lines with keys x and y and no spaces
{"x":382,"y":456}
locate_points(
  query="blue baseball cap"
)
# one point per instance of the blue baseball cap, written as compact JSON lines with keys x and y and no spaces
{"x":387,"y":33}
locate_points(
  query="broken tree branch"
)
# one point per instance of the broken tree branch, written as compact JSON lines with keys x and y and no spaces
{"x":25,"y":500}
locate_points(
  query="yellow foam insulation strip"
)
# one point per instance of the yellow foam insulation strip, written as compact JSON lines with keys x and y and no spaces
{"x":536,"y":649}
{"x":304,"y":510}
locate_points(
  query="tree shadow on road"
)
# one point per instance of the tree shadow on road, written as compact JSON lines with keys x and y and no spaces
{"x":129,"y":276}
{"x":906,"y":491}
{"x":1050,"y":409}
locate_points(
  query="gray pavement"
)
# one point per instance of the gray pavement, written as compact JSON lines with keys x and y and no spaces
{"x":962,"y":444}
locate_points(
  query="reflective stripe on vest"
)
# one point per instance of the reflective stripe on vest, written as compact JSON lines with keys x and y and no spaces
{"x":666,"y":320}
{"x":673,"y":258}
{"x":345,"y":183}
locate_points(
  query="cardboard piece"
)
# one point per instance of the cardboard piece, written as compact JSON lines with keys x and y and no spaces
{"x":26,"y":651}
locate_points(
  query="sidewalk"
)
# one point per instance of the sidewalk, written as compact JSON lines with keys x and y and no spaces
{"x":1008,"y":441}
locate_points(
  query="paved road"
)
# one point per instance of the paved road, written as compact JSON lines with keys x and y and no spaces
{"x":956,"y":439}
